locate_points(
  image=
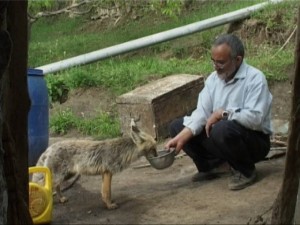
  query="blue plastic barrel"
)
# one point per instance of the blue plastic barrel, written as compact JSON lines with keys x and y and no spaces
{"x":38,"y":118}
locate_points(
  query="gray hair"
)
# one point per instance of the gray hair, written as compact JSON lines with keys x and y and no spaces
{"x":236,"y":45}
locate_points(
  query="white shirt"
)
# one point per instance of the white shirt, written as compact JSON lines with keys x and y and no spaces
{"x":246,"y":97}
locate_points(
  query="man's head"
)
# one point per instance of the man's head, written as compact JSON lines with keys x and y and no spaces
{"x":227,"y":54}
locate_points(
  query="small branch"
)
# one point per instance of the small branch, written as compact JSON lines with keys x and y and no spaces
{"x":274,"y":141}
{"x":64,"y":10}
{"x":286,"y":42}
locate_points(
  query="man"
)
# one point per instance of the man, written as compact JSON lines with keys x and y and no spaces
{"x":232,"y":121}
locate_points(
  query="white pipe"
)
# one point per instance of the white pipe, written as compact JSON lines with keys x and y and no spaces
{"x":153,"y":39}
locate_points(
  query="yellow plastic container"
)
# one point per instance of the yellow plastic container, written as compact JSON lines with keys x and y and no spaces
{"x":40,"y":197}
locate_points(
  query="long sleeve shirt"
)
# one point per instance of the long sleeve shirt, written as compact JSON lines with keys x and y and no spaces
{"x":246,"y":97}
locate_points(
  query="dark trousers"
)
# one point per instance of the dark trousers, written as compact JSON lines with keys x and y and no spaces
{"x":228,"y":142}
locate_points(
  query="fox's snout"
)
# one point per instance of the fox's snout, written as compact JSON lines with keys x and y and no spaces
{"x":151,"y":153}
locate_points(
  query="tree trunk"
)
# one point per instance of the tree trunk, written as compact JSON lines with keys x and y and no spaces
{"x":14,"y":111}
{"x":285,"y":203}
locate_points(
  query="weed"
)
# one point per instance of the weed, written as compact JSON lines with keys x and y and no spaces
{"x":62,"y":122}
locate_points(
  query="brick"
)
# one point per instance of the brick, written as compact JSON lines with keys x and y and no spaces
{"x":159,"y":102}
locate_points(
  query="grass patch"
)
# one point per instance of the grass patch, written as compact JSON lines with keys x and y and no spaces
{"x":62,"y":122}
{"x":101,"y":127}
{"x":122,"y":75}
{"x":54,"y":39}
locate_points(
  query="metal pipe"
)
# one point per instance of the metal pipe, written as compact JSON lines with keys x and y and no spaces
{"x":153,"y":39}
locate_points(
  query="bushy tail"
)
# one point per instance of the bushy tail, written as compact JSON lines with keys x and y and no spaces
{"x":38,"y":178}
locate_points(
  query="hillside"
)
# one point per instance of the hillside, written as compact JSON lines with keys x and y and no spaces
{"x":268,"y":36}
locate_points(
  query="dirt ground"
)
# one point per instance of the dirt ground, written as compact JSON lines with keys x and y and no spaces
{"x":149,"y":196}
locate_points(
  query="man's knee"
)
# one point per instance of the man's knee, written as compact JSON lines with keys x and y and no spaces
{"x":175,"y":127}
{"x":223,"y":130}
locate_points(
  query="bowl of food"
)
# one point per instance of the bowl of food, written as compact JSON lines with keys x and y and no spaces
{"x":164,"y":159}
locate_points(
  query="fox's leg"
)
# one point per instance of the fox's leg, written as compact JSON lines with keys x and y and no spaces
{"x":106,"y":190}
{"x":61,"y":198}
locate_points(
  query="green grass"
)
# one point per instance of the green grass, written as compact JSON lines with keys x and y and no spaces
{"x":101,"y":127}
{"x":54,"y":39}
{"x":275,"y":64}
{"x":124,"y":75}
{"x":59,"y":38}
{"x":62,"y":122}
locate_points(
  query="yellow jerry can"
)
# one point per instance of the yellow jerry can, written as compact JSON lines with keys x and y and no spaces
{"x":40,"y":197}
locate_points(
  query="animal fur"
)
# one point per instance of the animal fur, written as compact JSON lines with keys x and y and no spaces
{"x":107,"y":157}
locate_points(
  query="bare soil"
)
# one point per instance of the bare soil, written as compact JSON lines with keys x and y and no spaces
{"x":149,"y":196}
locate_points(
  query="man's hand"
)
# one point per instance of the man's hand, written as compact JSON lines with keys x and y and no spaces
{"x":215,"y":117}
{"x":179,"y":140}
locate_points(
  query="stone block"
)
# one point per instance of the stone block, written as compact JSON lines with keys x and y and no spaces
{"x":157,"y":103}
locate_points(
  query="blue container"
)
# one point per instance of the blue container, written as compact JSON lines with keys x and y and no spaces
{"x":38,"y":118}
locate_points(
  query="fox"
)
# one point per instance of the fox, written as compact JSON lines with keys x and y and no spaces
{"x":90,"y":157}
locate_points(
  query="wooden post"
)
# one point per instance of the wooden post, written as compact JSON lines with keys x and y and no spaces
{"x":15,"y":106}
{"x":5,"y":52}
{"x":285,"y":203}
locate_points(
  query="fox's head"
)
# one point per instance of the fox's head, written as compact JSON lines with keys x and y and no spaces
{"x":144,"y":142}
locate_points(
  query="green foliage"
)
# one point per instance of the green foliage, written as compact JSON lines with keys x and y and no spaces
{"x":278,"y":17}
{"x":170,"y":8}
{"x":81,"y":78}
{"x":102,"y":126}
{"x":66,"y":39}
{"x":122,"y":75}
{"x":62,"y":122}
{"x":274,"y":64}
{"x":57,"y":89}
{"x":35,"y":6}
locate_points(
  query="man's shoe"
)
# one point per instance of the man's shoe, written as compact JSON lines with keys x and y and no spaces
{"x":201,"y":176}
{"x":217,"y":172}
{"x":238,"y":181}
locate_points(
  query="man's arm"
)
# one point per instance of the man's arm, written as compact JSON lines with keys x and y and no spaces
{"x":197,"y":120}
{"x":256,"y":106}
{"x":179,"y":140}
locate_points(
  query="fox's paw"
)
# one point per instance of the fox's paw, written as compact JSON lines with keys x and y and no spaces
{"x":63,"y":200}
{"x":112,"y":206}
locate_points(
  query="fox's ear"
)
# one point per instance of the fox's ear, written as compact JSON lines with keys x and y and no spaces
{"x":135,"y":129}
{"x":136,"y":135}
{"x":133,"y":126}
{"x":132,"y":123}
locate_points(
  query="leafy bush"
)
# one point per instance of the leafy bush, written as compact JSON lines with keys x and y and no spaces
{"x":57,"y":88}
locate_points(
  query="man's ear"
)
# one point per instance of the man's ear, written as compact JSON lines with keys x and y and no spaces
{"x":239,"y":59}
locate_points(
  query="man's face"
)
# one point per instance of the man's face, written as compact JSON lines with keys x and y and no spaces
{"x":223,"y":63}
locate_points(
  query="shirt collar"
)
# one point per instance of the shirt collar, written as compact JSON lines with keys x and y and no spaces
{"x":240,"y":74}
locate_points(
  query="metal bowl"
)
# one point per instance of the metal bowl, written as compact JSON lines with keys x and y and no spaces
{"x":164,"y":159}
